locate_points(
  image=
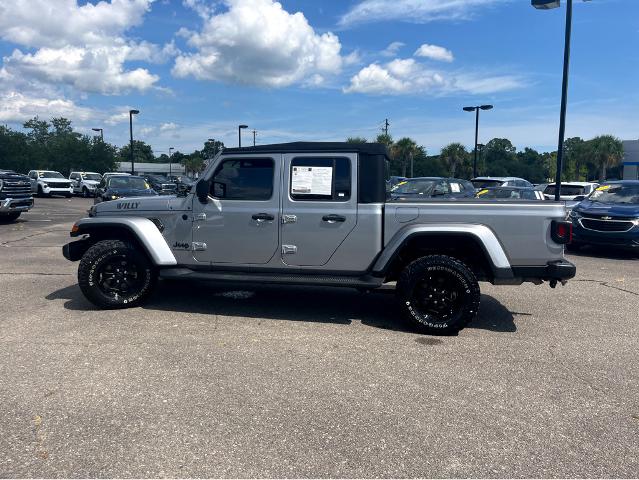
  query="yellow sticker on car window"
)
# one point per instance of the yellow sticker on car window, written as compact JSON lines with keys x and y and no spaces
{"x":603,"y":187}
{"x":146,"y":185}
{"x":401,"y":183}
{"x":481,"y":192}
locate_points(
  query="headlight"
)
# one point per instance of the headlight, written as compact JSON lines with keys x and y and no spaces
{"x":574,"y":215}
{"x":114,"y":197}
{"x":45,"y":184}
{"x":636,"y":222}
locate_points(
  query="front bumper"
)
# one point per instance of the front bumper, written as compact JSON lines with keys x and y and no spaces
{"x":48,"y":190}
{"x":9,"y":205}
{"x":582,"y":236}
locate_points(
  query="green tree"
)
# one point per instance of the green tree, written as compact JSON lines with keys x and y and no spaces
{"x":212,"y":148}
{"x":607,"y":151}
{"x":356,"y":140}
{"x":404,"y":152}
{"x":456,"y":159}
{"x":142,"y":153}
{"x":385,"y":138}
{"x":499,"y":155}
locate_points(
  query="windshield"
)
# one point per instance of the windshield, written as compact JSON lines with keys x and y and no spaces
{"x":92,"y":176}
{"x":628,"y":194}
{"x":486,"y":183}
{"x":133,"y":183}
{"x":50,"y":174}
{"x":570,"y":190}
{"x":419,"y":187}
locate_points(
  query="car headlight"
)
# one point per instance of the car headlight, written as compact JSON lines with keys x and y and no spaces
{"x":114,"y":197}
{"x":636,"y":222}
{"x":574,"y":215}
{"x":45,"y":184}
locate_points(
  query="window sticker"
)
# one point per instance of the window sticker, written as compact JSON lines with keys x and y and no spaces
{"x":312,"y":180}
{"x":603,"y":187}
{"x":455,"y":187}
{"x":482,"y":192}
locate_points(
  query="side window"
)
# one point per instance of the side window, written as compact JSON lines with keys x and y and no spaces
{"x":244,"y":179}
{"x":320,"y":178}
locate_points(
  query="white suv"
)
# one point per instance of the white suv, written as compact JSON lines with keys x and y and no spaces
{"x":49,"y":182}
{"x":85,"y":183}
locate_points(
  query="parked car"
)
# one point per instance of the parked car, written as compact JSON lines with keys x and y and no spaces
{"x":114,"y":174}
{"x":85,"y":183}
{"x":428,"y":187}
{"x":571,"y":190}
{"x":15,"y":195}
{"x":114,"y":187}
{"x":483,"y":182}
{"x":510,"y":193}
{"x":49,"y":182}
{"x":609,"y":216}
{"x":161,"y":184}
{"x":317,"y":214}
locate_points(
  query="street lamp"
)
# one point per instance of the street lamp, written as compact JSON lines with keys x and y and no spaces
{"x":170,"y":148}
{"x":101,"y":132}
{"x":476,"y":110}
{"x":131,"y":113}
{"x":481,"y":146}
{"x":547,"y":5}
{"x":239,"y":134}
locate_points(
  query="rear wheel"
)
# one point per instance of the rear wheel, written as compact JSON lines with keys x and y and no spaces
{"x":113,"y":274}
{"x":9,"y":217}
{"x":438,"y":294}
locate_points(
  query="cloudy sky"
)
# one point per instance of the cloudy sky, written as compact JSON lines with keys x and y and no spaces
{"x":319,"y":70}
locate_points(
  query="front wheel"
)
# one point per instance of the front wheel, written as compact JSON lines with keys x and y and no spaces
{"x":438,"y":294}
{"x":85,"y":192}
{"x":9,"y":217}
{"x":113,"y":274}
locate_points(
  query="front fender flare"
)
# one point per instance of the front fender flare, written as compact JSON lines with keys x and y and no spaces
{"x":482,"y":234}
{"x":143,"y":229}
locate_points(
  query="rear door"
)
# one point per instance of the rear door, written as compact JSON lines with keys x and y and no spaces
{"x":319,"y":206}
{"x":239,"y":223}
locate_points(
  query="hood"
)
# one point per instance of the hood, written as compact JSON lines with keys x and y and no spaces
{"x":147,"y":202}
{"x":54,"y":180}
{"x":598,"y":208}
{"x":131,"y":192}
{"x":13,"y":176}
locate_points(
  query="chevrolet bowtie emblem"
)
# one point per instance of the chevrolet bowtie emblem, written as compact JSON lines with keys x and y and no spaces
{"x":606,"y":218}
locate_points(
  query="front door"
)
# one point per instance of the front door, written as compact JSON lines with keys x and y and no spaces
{"x":319,"y":206}
{"x":239,"y":223}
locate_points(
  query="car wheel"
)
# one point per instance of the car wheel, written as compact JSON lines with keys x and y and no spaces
{"x":114,"y":274}
{"x":40,"y":192}
{"x":439,"y":295}
{"x":85,"y":192}
{"x":9,"y":217}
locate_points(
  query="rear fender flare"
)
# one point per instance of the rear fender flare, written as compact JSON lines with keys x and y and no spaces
{"x":142,"y":229}
{"x":483,"y":235}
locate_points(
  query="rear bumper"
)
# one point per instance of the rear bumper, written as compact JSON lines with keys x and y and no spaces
{"x":559,"y":270}
{"x":9,"y":205}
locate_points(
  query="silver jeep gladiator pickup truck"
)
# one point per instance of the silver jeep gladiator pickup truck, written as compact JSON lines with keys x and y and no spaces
{"x":318,"y":214}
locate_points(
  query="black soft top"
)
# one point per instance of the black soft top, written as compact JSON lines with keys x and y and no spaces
{"x":303,"y":147}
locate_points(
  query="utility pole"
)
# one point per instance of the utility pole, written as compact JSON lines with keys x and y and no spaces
{"x":386,"y":125}
{"x":254,"y":134}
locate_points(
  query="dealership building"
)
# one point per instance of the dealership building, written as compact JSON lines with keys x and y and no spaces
{"x":152,"y":168}
{"x":631,"y":160}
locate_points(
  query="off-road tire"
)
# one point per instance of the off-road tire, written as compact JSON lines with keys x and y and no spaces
{"x":439,"y":295}
{"x":9,"y":217}
{"x":97,"y":269}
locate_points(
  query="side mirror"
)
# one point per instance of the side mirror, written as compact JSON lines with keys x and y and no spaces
{"x":183,"y":189}
{"x":202,"y":188}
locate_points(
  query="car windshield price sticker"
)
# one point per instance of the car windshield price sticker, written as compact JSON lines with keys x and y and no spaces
{"x":312,"y":180}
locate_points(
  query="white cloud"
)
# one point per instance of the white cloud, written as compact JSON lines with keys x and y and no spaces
{"x":257,"y":42}
{"x":415,"y":11}
{"x":84,"y":47}
{"x":434,"y":52}
{"x":17,"y":108}
{"x":392,"y":49}
{"x":406,"y":77}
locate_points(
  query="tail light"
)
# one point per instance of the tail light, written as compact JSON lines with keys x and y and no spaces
{"x":561,"y":231}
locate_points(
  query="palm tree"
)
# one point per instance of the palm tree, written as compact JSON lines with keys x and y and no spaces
{"x":404,"y":150}
{"x":606,"y":151}
{"x":454,"y":156}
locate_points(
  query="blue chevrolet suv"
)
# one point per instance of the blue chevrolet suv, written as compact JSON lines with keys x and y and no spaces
{"x":608,"y":216}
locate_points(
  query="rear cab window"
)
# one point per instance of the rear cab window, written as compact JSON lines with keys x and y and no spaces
{"x":320,"y":178}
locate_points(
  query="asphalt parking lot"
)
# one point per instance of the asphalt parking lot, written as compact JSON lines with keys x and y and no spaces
{"x":296,"y":382}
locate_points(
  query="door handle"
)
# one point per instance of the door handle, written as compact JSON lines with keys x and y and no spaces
{"x":261,"y":217}
{"x":332,"y":218}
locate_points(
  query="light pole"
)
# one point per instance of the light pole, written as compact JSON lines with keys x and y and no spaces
{"x":481,"y":146}
{"x":547,"y":5}
{"x":170,"y":148}
{"x":476,"y":110}
{"x":131,"y":113}
{"x":254,"y":134}
{"x":101,"y":133}
{"x":239,"y":134}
